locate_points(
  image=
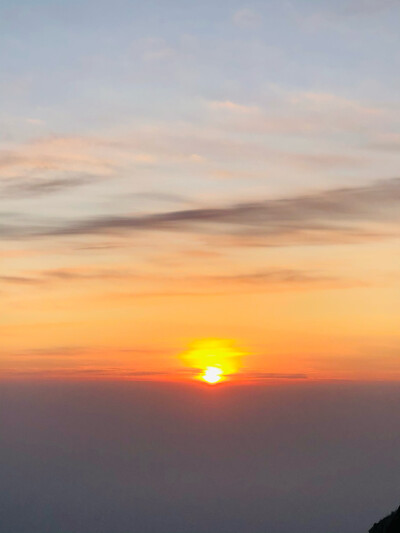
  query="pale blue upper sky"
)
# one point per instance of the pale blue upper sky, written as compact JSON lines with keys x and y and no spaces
{"x":210,"y":101}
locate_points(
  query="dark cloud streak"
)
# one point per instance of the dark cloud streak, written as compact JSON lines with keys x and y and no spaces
{"x":337,"y":215}
{"x":28,"y":187}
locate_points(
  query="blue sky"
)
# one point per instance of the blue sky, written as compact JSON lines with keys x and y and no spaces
{"x":82,"y":65}
{"x":109,"y":70}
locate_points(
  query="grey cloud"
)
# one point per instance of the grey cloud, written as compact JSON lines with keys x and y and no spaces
{"x":73,"y":275}
{"x":326,"y":211}
{"x":277,"y":276}
{"x":145,"y":373}
{"x":27,"y":187}
{"x":161,"y":197}
{"x":46,"y":276}
{"x":368,"y":6}
{"x":64,"y":351}
{"x":266,"y":277}
{"x":74,"y":350}
{"x":246,"y":18}
{"x":347,"y":8}
{"x":107,"y":373}
{"x":337,"y":215}
{"x":20,"y":280}
{"x":272,"y":375}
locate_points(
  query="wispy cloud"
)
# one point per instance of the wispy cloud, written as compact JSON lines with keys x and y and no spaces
{"x":246,"y":18}
{"x":20,"y":280}
{"x":85,"y":373}
{"x":260,"y":376}
{"x":386,"y":142}
{"x":355,"y":7}
{"x":327,"y":13}
{"x":28,"y":187}
{"x":67,"y":275}
{"x":301,"y":112}
{"x":55,"y":351}
{"x":283,"y":277}
{"x":355,"y":213}
{"x":228,"y":105}
{"x":54,"y":154}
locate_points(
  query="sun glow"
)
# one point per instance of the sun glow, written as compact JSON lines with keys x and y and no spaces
{"x":214,"y":360}
{"x":212,"y":374}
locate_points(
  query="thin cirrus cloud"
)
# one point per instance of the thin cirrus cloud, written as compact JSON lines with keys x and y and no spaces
{"x":336,"y":215}
{"x":246,"y":18}
{"x":108,"y":373}
{"x":52,"y":164}
{"x":328,"y":12}
{"x":60,"y":351}
{"x":28,"y":187}
{"x":260,"y":376}
{"x":301,"y":112}
{"x":228,"y":105}
{"x":54,"y":154}
{"x":283,"y":276}
{"x":277,"y":278}
{"x":367,"y":6}
{"x":20,"y":280}
{"x":68,"y":275}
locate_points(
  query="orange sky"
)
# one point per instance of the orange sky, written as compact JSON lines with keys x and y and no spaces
{"x":114,"y":314}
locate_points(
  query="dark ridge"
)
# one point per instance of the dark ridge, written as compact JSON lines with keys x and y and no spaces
{"x":390,"y":524}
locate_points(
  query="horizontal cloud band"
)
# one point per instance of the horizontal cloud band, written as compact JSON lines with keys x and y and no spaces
{"x":337,"y":215}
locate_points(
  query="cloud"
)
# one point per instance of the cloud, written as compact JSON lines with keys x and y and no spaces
{"x":73,"y":350}
{"x":282,"y":275}
{"x":21,"y":187}
{"x":278,"y":278}
{"x":246,"y":18}
{"x":300,"y":112}
{"x":56,"y":351}
{"x":104,"y":372}
{"x":52,"y":164}
{"x":353,"y":214}
{"x":20,"y":280}
{"x":313,"y":101}
{"x":49,"y":155}
{"x":165,"y":197}
{"x":85,"y":274}
{"x":355,"y":7}
{"x":272,"y":375}
{"x":228,"y":105}
{"x":388,"y":142}
{"x":66,"y":275}
{"x":205,"y":284}
{"x":334,"y":12}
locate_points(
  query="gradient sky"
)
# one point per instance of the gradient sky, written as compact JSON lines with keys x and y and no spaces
{"x":178,"y":170}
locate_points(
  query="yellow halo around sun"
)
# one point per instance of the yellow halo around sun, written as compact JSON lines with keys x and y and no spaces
{"x":215,"y":360}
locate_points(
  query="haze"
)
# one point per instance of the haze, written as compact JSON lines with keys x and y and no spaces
{"x":94,"y":458}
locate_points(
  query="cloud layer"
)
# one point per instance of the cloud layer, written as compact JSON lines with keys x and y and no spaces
{"x":352,"y":214}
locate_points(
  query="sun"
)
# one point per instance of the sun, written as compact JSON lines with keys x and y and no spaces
{"x":212,"y":374}
{"x":213,"y":360}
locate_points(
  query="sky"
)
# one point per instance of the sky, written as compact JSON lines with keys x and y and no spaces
{"x":172,"y":171}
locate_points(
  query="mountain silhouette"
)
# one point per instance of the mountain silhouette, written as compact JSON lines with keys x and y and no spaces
{"x":390,"y":524}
